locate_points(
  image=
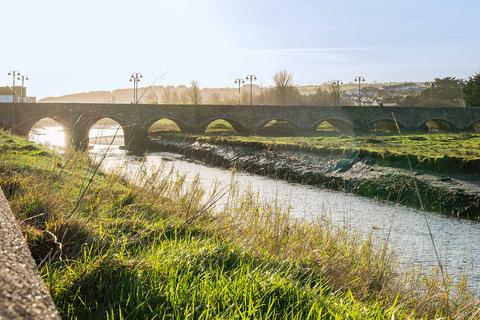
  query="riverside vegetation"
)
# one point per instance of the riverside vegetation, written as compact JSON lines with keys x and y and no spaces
{"x":154,"y":246}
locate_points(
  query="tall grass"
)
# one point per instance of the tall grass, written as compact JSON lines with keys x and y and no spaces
{"x":156,"y":245}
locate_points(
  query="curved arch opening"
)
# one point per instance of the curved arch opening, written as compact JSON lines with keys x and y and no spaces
{"x":163,"y":126}
{"x":221,"y":127}
{"x":333,"y":126}
{"x":476,"y":127}
{"x":105,"y":132}
{"x":384,"y":126}
{"x":436,"y":125}
{"x":48,"y":132}
{"x":278,"y":128}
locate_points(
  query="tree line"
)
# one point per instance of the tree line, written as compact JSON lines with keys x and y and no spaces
{"x":447,"y":91}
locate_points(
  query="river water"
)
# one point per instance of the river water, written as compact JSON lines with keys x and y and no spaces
{"x":457,"y":240}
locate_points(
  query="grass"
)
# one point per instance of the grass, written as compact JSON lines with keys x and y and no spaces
{"x":459,"y":152}
{"x":153,"y":247}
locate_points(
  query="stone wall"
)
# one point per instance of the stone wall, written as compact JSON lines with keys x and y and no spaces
{"x":23,"y":294}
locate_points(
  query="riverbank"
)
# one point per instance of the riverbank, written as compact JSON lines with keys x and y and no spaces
{"x":362,"y":172}
{"x":110,"y":248}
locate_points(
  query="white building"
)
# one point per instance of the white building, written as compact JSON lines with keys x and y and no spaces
{"x":17,"y":94}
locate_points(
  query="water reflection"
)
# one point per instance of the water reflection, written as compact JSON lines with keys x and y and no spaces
{"x":55,"y":136}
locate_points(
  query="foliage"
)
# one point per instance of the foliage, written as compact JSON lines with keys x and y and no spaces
{"x":440,"y":93}
{"x":472,"y":91}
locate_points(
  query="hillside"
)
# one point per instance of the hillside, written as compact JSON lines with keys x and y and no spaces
{"x":179,"y":94}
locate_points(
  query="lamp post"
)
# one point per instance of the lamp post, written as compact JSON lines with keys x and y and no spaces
{"x":239,"y":81}
{"x":336,"y":86}
{"x":14,"y":74}
{"x":359,"y":79}
{"x":23,"y":78}
{"x":251,"y":78}
{"x":135,"y":78}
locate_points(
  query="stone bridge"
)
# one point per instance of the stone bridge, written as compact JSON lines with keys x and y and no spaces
{"x":135,"y":120}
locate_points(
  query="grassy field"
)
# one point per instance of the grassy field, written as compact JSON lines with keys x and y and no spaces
{"x":465,"y":146}
{"x":153,"y":248}
{"x":442,"y":152}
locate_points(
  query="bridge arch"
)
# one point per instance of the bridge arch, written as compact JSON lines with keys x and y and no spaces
{"x":474,"y":126}
{"x":385,"y":126}
{"x":235,"y":125}
{"x":334,"y":126}
{"x":49,"y":131}
{"x":106,"y":131}
{"x":278,"y":127}
{"x":166,"y":124}
{"x":437,"y":125}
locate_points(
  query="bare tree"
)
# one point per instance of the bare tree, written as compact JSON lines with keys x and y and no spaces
{"x":167,"y":95}
{"x":215,"y":98}
{"x":151,"y":98}
{"x":334,"y":90}
{"x":194,"y":92}
{"x":284,"y":86}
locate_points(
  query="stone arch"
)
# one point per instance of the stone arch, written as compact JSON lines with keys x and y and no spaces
{"x":48,"y":132}
{"x":334,"y":126}
{"x":237,"y":127}
{"x":165,"y":124}
{"x":437,"y":125}
{"x":385,"y":126}
{"x":23,"y":127}
{"x":475,"y":126}
{"x":278,"y":127}
{"x":106,"y":130}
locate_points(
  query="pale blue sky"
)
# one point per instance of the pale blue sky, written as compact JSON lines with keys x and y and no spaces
{"x":71,"y":46}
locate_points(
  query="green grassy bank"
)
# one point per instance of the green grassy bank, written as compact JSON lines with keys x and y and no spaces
{"x":453,"y":152}
{"x":153,"y":248}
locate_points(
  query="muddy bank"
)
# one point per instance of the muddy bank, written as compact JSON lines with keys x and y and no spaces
{"x":450,"y":195}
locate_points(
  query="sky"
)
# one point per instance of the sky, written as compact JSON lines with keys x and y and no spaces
{"x":74,"y":46}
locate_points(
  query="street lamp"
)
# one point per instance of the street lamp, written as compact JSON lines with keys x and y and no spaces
{"x":336,"y":86}
{"x":14,"y":74}
{"x":359,"y":79}
{"x":251,"y":78}
{"x":135,"y":78}
{"x":239,"y":81}
{"x":23,"y":78}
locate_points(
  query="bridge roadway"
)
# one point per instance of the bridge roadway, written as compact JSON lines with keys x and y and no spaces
{"x":135,"y":120}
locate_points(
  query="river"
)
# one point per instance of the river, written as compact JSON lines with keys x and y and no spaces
{"x":457,"y":240}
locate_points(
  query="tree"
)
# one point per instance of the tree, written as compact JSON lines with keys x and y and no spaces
{"x":284,"y":86}
{"x":334,"y":89}
{"x":445,"y":92}
{"x":215,"y":98}
{"x":194,"y":92}
{"x":471,"y":91}
{"x":151,"y":98}
{"x":169,"y":95}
